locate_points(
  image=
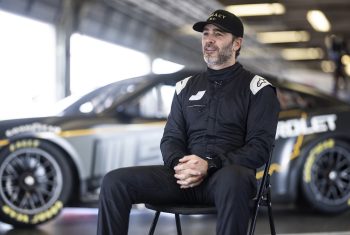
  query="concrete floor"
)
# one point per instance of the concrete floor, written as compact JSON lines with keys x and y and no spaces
{"x":75,"y":221}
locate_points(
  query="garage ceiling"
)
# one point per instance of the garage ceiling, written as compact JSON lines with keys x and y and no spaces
{"x":336,"y":11}
{"x":158,"y":27}
{"x":175,"y":14}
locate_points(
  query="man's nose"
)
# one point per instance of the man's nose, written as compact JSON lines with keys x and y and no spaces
{"x":209,"y":39}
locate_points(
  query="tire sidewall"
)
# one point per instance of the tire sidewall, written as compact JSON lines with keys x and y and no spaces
{"x":10,"y":214}
{"x":312,"y":155}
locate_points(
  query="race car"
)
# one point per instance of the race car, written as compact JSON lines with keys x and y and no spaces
{"x":48,"y":163}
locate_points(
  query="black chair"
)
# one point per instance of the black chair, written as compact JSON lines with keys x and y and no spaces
{"x":263,"y":198}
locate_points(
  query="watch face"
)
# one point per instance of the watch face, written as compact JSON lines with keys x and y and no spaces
{"x":211,"y":166}
{"x":211,"y":163}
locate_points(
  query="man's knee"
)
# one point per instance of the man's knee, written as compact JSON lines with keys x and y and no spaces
{"x":115,"y":178}
{"x":235,"y":177}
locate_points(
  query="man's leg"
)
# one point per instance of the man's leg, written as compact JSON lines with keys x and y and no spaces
{"x":126,"y":186}
{"x":231,"y":189}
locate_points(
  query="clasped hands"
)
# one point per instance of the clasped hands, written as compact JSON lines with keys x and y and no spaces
{"x":190,"y":171}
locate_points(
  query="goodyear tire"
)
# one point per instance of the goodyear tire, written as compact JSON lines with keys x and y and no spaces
{"x":326,"y":176}
{"x":36,"y":181}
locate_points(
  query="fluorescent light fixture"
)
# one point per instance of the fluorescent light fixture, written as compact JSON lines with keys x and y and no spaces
{"x":345,"y":59}
{"x":347,"y":70}
{"x":318,"y":21}
{"x":257,"y":9}
{"x":313,"y":53}
{"x":283,"y":36}
{"x":327,"y":66}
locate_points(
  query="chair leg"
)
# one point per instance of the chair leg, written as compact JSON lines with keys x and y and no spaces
{"x":178,"y":224}
{"x":154,"y":223}
{"x":253,"y":220}
{"x":272,"y":224}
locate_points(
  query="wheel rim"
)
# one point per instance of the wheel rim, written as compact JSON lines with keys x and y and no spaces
{"x":31,"y":180}
{"x":330,"y":180}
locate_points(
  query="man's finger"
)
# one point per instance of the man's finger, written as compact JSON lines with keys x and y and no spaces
{"x":183,"y":182}
{"x":184,"y":159}
{"x":179,"y":167}
{"x":192,"y":172}
{"x":192,"y":162}
{"x":187,"y":177}
{"x":189,"y":180}
{"x":188,"y":158}
{"x":181,"y":176}
{"x":192,"y":184}
{"x":189,"y":172}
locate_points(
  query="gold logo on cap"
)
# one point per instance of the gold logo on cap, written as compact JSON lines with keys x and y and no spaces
{"x":216,"y":15}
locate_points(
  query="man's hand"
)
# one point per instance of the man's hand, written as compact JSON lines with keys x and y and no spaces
{"x":190,"y":171}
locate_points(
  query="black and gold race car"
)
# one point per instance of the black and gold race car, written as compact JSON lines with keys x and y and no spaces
{"x":51,"y":162}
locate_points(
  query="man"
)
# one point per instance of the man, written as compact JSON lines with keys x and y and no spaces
{"x":220,"y":130}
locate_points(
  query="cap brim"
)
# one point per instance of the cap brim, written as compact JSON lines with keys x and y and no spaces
{"x":199,"y":26}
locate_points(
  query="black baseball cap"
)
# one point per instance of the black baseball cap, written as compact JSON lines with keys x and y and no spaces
{"x":225,"y":20}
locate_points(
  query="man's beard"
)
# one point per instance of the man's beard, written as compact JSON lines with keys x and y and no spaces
{"x":224,"y":55}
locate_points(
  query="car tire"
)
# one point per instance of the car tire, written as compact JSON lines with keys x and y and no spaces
{"x":36,"y":182}
{"x":326,"y":176}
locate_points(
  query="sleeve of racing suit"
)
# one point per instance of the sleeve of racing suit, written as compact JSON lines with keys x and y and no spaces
{"x":174,"y":141}
{"x":261,"y":127}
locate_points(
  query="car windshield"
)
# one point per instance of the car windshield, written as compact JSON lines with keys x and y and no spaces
{"x":97,"y":100}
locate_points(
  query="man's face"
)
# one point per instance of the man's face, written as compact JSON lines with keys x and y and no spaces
{"x":218,"y":47}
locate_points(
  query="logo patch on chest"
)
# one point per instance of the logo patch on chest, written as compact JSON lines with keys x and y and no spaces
{"x":197,"y":96}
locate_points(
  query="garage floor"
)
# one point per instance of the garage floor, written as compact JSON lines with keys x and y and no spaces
{"x":288,"y":221}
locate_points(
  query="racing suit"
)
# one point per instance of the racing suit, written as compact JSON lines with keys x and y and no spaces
{"x":228,"y":115}
{"x":222,"y":114}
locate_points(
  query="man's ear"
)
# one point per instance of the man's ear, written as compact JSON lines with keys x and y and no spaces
{"x":237,"y":43}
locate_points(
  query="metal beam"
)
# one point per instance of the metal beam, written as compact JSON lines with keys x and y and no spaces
{"x":65,"y":27}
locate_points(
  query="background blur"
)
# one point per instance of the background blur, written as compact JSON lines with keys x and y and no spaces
{"x":50,"y":49}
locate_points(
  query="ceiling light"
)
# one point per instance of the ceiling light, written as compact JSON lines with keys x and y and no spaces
{"x":257,"y":9}
{"x":283,"y":36}
{"x":302,"y":53}
{"x":327,"y":66}
{"x":318,"y":21}
{"x":345,"y":59}
{"x":347,"y":70}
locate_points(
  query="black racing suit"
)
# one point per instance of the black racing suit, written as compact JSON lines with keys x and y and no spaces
{"x":229,"y":115}
{"x":215,"y":114}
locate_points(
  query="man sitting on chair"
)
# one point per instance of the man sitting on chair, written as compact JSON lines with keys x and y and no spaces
{"x":221,"y":128}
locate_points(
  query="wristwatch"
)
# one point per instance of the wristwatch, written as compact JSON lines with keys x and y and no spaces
{"x":213,"y":165}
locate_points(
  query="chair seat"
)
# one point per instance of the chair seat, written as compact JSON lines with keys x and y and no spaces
{"x":183,"y":209}
{"x":191,"y":209}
